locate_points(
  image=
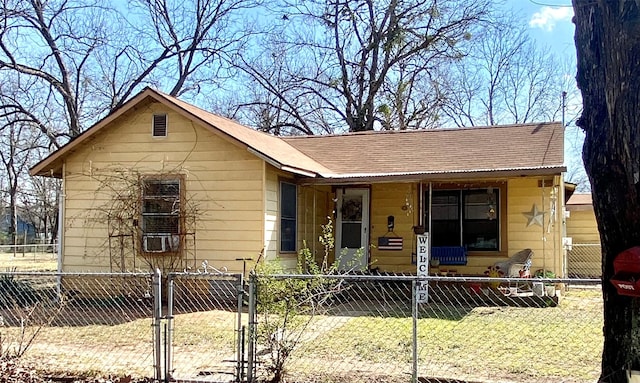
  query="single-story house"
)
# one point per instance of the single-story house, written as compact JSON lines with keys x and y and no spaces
{"x":584,"y":256}
{"x":161,"y":183}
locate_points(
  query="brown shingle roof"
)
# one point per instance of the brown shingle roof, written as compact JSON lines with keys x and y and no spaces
{"x":513,"y":149}
{"x":270,"y":148}
{"x":267,"y":146}
{"x":580,"y":199}
{"x":525,"y":148}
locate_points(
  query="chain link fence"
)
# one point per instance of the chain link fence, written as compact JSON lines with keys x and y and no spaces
{"x":206,"y":334}
{"x":584,"y":260}
{"x":216,"y":328}
{"x":78,"y":324}
{"x":178,"y":327}
{"x":370,"y":329}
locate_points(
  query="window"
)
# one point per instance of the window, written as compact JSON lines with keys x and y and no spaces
{"x":288,"y":210}
{"x":159,"y":125}
{"x":467,"y":218}
{"x":161,"y":215}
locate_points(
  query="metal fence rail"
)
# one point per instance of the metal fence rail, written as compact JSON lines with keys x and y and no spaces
{"x":370,"y":328}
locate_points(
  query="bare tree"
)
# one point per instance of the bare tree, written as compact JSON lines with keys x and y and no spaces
{"x":39,"y":202}
{"x":354,"y":62}
{"x":607,"y":53}
{"x":62,"y":36}
{"x":18,"y":140}
{"x":176,"y":45}
{"x":506,"y":78}
{"x":65,"y":63}
{"x":89,"y":59}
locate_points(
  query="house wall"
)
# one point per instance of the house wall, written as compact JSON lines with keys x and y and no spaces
{"x":315,"y":207}
{"x":582,"y":226}
{"x":399,"y":200}
{"x":520,"y":194}
{"x":272,"y":217}
{"x":222,"y":181}
{"x":544,"y":240}
{"x":585,"y":257}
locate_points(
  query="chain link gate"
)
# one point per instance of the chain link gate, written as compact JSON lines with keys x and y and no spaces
{"x":198,"y":331}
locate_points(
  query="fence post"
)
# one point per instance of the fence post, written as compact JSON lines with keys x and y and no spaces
{"x":157,"y":318}
{"x":414,"y":343}
{"x":168,"y":368}
{"x":252,"y":326}
{"x":240,"y":356}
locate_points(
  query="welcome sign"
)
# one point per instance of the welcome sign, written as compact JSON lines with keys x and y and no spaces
{"x":422,"y":262}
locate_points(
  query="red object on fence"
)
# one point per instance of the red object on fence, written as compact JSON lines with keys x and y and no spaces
{"x":626,"y":267}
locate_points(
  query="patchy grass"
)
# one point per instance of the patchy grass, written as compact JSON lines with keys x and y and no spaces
{"x":552,"y":344}
{"x":477,"y":344}
{"x":40,"y":261}
{"x":201,"y":340}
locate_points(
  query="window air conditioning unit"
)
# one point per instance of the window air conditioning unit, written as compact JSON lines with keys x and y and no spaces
{"x":160,"y":243}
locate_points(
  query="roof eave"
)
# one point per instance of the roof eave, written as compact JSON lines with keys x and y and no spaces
{"x":273,"y":162}
{"x":336,"y":179}
{"x":52,"y":164}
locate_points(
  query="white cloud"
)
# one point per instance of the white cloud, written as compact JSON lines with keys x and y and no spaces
{"x":547,"y":17}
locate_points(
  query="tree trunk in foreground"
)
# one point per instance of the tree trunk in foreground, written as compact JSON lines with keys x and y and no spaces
{"x":607,"y":40}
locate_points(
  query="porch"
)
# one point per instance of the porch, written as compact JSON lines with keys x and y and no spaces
{"x":474,"y":224}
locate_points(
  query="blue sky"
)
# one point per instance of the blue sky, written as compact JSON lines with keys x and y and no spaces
{"x":549,"y":22}
{"x":550,"y":25}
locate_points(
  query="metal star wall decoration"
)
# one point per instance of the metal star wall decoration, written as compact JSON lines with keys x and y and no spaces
{"x":535,"y":216}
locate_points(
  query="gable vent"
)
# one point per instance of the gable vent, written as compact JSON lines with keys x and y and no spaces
{"x":159,"y":125}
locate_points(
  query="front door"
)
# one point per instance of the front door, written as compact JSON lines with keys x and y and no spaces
{"x":352,"y":229}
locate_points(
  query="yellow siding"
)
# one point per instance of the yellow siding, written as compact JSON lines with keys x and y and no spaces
{"x":585,"y":257}
{"x":521,"y":194}
{"x":400,"y":201}
{"x":545,"y":240}
{"x":582,"y":227}
{"x":222,"y":181}
{"x":312,"y":212}
{"x":272,"y":218}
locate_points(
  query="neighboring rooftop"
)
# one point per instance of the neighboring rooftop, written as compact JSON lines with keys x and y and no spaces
{"x":580,"y":201}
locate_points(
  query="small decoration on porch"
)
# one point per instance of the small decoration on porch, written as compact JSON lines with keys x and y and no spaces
{"x":408,"y":204}
{"x":352,"y":208}
{"x":491,"y":204}
{"x":494,"y":272}
{"x":535,"y":216}
{"x":390,"y":243}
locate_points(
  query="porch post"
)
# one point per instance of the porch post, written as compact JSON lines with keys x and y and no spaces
{"x":429,"y":217}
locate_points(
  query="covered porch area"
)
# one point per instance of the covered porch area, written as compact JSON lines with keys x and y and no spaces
{"x":473,"y":224}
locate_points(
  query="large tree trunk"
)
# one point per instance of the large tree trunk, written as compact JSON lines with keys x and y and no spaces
{"x":608,"y":51}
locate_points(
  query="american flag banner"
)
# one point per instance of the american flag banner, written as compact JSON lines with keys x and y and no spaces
{"x":390,"y":243}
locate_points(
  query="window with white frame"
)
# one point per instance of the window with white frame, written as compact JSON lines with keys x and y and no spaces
{"x":468,"y":218}
{"x":288,"y":220}
{"x":161,"y":207}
